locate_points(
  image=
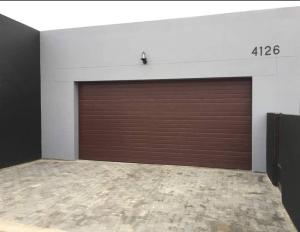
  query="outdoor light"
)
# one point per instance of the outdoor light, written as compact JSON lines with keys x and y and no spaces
{"x":144,"y":58}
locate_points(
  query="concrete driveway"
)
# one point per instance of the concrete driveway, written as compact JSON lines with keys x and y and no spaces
{"x":104,"y":196}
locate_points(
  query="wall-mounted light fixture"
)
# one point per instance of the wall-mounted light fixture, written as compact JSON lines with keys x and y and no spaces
{"x":144,"y":58}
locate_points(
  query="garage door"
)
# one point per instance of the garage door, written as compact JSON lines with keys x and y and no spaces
{"x":204,"y":122}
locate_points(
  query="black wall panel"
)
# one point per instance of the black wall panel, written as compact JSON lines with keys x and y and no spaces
{"x":20,"y":111}
{"x":273,"y":147}
{"x":289,"y":160}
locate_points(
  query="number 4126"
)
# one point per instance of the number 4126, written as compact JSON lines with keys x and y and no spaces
{"x":266,"y":51}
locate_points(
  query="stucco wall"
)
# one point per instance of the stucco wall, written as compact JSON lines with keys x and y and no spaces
{"x":199,"y":47}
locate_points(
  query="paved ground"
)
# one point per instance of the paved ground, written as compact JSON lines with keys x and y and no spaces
{"x":91,"y":196}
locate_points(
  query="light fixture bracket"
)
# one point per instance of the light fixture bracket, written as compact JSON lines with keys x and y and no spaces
{"x":144,"y":58}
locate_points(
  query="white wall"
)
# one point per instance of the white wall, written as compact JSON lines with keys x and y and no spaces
{"x":199,"y":47}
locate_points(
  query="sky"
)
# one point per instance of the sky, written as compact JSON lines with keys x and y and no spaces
{"x":50,"y":15}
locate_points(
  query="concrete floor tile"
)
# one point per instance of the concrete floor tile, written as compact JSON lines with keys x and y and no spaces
{"x":84,"y":196}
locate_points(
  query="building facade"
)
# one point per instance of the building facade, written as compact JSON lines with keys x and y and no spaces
{"x":260,"y":46}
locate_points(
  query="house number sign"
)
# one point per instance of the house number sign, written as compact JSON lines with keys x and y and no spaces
{"x":266,"y":50}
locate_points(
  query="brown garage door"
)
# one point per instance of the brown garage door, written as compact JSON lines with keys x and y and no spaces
{"x":187,"y":122}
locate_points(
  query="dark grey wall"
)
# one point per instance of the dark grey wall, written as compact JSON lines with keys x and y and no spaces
{"x":20,"y":111}
{"x":289,"y":160}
